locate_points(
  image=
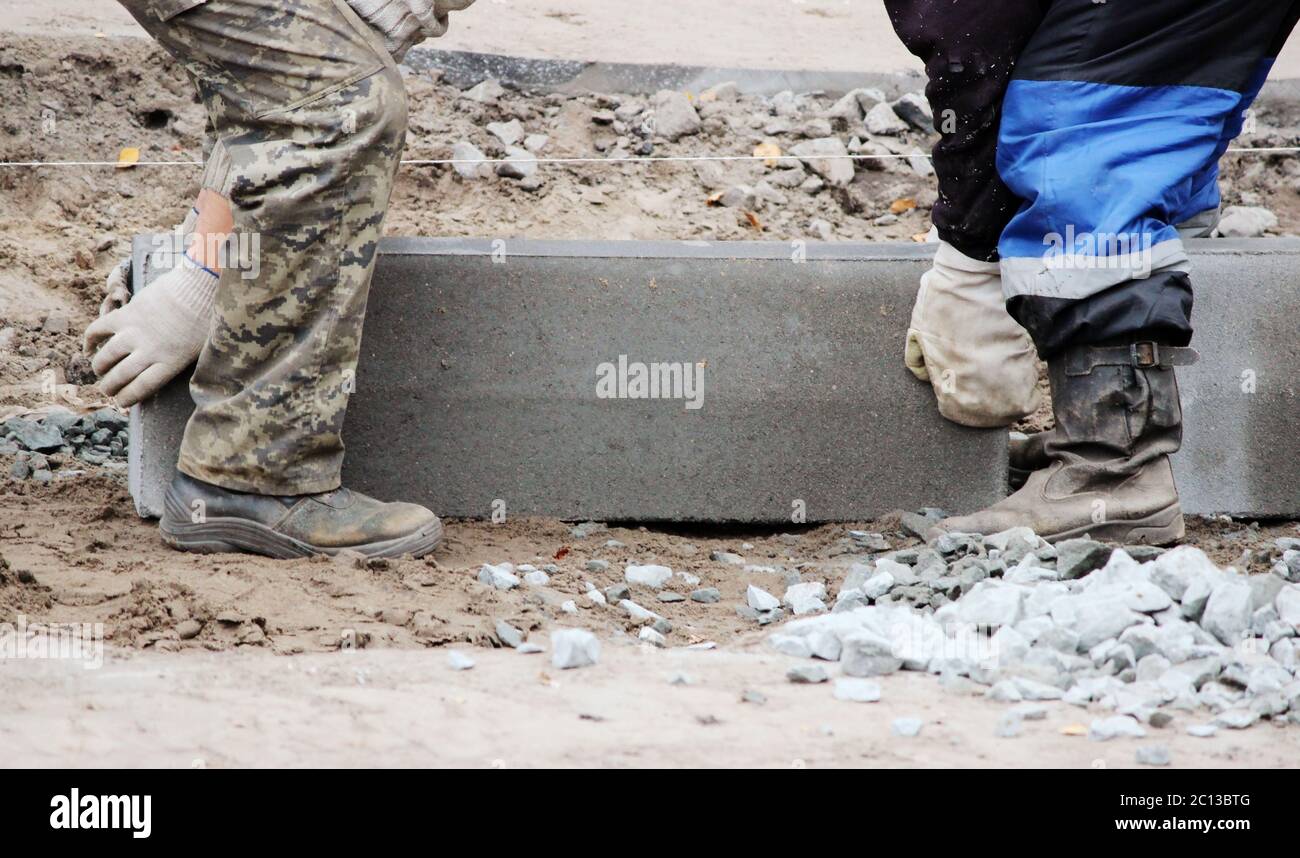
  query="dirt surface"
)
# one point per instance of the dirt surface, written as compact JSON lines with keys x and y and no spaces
{"x":77,"y":553}
{"x":320,"y":662}
{"x":394,"y":709}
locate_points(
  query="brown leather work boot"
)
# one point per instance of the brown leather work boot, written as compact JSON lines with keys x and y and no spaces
{"x":1108,"y":474}
{"x":207,"y":519}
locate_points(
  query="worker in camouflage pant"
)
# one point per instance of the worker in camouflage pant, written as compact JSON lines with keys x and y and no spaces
{"x":309,"y":114}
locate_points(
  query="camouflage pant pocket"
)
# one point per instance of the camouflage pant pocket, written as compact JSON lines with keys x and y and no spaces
{"x":255,"y":58}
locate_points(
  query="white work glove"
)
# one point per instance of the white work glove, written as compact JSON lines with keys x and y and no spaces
{"x":405,"y":23}
{"x":980,"y":362}
{"x":138,"y":348}
{"x":116,"y":289}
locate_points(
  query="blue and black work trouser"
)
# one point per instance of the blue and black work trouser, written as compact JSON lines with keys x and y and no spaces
{"x":1077,"y":136}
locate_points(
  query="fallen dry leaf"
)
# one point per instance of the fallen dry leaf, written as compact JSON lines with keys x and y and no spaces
{"x":769,"y":152}
{"x":128,"y":157}
{"x":1074,"y":730}
{"x":906,"y":204}
{"x":754,"y":221}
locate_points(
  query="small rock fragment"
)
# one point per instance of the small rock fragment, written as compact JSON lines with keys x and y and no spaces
{"x":1105,"y":729}
{"x":501,"y":577}
{"x":675,"y":116}
{"x":807,"y":674}
{"x":508,"y":634}
{"x":882,"y":121}
{"x":761,"y":600}
{"x":907,"y":727}
{"x":468,"y":160}
{"x":572,"y":648}
{"x":509,"y":133}
{"x":1152,"y":755}
{"x":652,"y":637}
{"x":485,"y":91}
{"x":654,"y":577}
{"x":857,"y":690}
{"x":457,"y":660}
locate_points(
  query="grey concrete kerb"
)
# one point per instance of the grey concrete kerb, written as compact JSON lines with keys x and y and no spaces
{"x":478,"y":384}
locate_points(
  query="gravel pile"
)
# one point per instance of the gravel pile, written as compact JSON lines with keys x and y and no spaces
{"x":1140,"y":635}
{"x":43,"y":445}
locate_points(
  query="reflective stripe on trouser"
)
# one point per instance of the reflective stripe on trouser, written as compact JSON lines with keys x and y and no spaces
{"x":970,"y":48}
{"x":1112,"y":129}
{"x":309,"y":113}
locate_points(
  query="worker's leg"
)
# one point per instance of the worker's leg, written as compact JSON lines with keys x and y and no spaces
{"x":309,"y":113}
{"x":970,"y":49}
{"x":979,"y":361}
{"x":310,"y":118}
{"x":1112,"y":127}
{"x":1114,"y":124}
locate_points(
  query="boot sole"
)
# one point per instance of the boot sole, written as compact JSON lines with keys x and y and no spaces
{"x":1161,"y":528}
{"x":244,"y":536}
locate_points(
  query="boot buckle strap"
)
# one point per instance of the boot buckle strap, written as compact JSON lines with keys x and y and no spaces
{"x":1145,"y":355}
{"x":1141,"y":355}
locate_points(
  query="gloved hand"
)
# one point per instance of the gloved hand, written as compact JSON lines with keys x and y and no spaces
{"x":138,"y":348}
{"x":405,"y":23}
{"x":116,"y":291}
{"x":981,"y":363}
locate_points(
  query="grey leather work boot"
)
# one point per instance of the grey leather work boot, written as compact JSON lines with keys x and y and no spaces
{"x":204,"y":518}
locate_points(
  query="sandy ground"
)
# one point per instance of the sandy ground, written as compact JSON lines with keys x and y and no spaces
{"x":830,"y":35}
{"x":317,"y":662}
{"x":213,"y":656}
{"x":395,"y":709}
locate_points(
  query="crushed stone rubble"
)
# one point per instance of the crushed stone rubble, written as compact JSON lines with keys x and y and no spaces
{"x":805,"y":138}
{"x":55,"y":444}
{"x":1139,"y":635}
{"x":805,"y":141}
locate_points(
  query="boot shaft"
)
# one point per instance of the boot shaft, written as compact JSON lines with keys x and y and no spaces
{"x":1117,"y":401}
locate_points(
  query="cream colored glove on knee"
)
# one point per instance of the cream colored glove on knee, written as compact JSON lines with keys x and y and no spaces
{"x":980,"y":362}
{"x":138,"y":348}
{"x":405,"y":23}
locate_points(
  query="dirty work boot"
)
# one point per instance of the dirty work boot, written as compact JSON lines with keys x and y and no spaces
{"x":207,"y":519}
{"x":1117,"y":420}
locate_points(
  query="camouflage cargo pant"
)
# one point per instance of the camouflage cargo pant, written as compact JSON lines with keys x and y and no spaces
{"x":309,"y":113}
